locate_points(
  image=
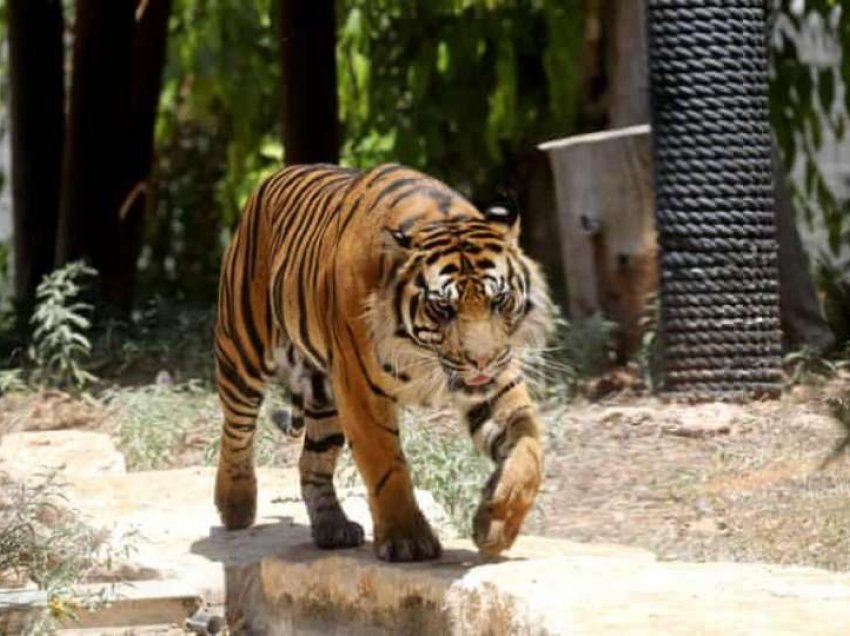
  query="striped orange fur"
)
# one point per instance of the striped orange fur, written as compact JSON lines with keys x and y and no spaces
{"x":366,"y":291}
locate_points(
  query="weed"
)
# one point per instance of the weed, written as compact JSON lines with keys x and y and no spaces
{"x":158,"y":337}
{"x":444,"y":461}
{"x":59,"y":341}
{"x":12,"y":381}
{"x":807,"y":366}
{"x":43,"y":541}
{"x":154,"y":421}
{"x":648,"y":355}
{"x":172,"y":425}
{"x":840,"y":409}
{"x":585,"y":345}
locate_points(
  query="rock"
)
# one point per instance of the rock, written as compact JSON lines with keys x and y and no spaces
{"x":702,"y":421}
{"x":172,"y":510}
{"x":71,"y":455}
{"x":277,"y":582}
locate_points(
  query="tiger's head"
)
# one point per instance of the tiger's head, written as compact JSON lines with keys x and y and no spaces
{"x":462,"y":302}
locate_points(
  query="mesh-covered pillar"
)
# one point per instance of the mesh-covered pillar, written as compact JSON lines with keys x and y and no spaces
{"x":714,"y":198}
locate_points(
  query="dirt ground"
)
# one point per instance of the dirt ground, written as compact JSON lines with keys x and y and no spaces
{"x":706,"y":482}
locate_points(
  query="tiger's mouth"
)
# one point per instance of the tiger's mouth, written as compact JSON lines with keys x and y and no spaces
{"x":481,"y":379}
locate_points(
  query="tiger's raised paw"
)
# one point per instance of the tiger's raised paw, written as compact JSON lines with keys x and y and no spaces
{"x":508,"y":497}
{"x":337,"y":533}
{"x":416,"y":543}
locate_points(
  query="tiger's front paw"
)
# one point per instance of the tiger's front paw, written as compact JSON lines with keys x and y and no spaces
{"x":508,"y":497}
{"x":236,"y":498}
{"x":337,"y":532}
{"x":414,"y":541}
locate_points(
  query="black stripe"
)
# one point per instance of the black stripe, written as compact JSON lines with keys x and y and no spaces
{"x":480,"y":413}
{"x":515,"y":382}
{"x":376,"y":389}
{"x":242,"y":428}
{"x":497,"y":443}
{"x":394,"y":167}
{"x":319,"y":474}
{"x":383,"y":480}
{"x":477,"y":415}
{"x":416,"y":189}
{"x":323,"y":445}
{"x":442,"y":198}
{"x":320,"y":415}
{"x":316,"y":483}
{"x":395,"y":185}
{"x":229,"y":398}
{"x":226,"y":368}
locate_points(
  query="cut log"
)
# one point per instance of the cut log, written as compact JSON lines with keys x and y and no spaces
{"x":606,"y":222}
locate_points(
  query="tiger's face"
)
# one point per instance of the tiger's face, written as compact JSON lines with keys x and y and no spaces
{"x":466,"y":300}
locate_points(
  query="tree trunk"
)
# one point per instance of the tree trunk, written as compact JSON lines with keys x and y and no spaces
{"x":628,"y":77}
{"x":94,"y":173}
{"x":307,"y":32}
{"x":35,"y":57}
{"x":149,"y":44}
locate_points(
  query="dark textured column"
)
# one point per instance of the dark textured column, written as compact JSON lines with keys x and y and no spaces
{"x":714,"y":197}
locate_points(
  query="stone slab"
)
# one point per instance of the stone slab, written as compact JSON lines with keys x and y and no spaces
{"x":71,"y":455}
{"x":273,"y":580}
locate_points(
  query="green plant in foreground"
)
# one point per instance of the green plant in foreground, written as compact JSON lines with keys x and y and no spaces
{"x":153,"y":421}
{"x":807,"y":365}
{"x":648,"y":355}
{"x":840,"y":409}
{"x":158,"y":425}
{"x":43,"y":541}
{"x":59,"y":341}
{"x":12,"y":381}
{"x":445,"y":462}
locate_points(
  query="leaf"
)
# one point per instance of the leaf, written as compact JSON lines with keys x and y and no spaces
{"x":826,"y":89}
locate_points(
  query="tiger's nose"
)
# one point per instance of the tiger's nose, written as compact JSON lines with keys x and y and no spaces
{"x":481,"y":362}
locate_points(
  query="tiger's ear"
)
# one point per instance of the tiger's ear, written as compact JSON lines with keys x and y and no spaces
{"x":504,"y":212}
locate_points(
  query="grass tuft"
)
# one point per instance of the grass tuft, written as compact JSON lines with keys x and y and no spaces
{"x":44,"y":542}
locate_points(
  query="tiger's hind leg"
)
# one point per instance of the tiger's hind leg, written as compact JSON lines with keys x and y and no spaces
{"x":323,"y":440}
{"x":236,"y":483}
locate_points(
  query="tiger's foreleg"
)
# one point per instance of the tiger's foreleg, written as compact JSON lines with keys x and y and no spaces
{"x":241,"y":395}
{"x":401,"y":532}
{"x":323,"y":441}
{"x":506,"y":428}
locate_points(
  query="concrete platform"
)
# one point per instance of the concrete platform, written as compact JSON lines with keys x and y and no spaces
{"x":274,"y":581}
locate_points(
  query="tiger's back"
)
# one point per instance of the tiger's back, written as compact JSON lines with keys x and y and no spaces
{"x":317,"y":289}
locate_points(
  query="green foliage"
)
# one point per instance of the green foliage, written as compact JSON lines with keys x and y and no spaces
{"x":457,"y":88}
{"x":159,"y":337}
{"x":42,"y":540}
{"x":166,"y":425}
{"x":840,"y":409}
{"x":59,"y":341}
{"x":586,"y":345}
{"x":648,"y":356}
{"x":804,"y":98}
{"x":444,"y":461}
{"x":154,"y":422}
{"x":834,"y":285}
{"x":807,"y":366}
{"x":217,"y":135}
{"x":12,"y":381}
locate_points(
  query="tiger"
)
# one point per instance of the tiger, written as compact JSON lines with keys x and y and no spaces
{"x":365,"y":291}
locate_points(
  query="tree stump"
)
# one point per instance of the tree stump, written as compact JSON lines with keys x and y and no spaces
{"x":606,"y":222}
